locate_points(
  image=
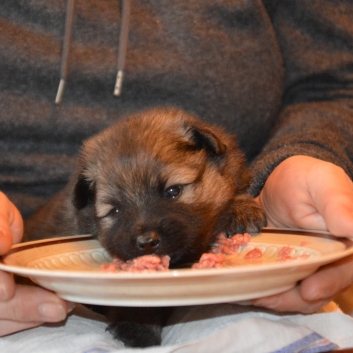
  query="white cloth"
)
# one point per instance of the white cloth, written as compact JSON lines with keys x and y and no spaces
{"x":223,"y":328}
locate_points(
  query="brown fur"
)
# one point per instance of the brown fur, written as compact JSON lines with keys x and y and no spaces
{"x":120,"y":191}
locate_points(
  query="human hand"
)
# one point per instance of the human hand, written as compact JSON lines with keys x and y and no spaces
{"x":22,"y":307}
{"x":304,"y":192}
{"x":11,"y":224}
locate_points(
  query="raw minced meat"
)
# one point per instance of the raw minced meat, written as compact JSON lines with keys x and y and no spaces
{"x":255,"y":253}
{"x":285,"y":255}
{"x":152,"y":263}
{"x":230,"y":246}
{"x":214,"y":259}
{"x":147,"y":263}
{"x":285,"y":251}
{"x":223,"y":246}
{"x":210,"y":260}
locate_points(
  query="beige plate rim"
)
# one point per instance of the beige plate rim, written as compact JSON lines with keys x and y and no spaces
{"x":324,"y":259}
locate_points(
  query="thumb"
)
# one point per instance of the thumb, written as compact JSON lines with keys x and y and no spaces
{"x":338,"y":216}
{"x":333,"y":197}
{"x":11,"y":224}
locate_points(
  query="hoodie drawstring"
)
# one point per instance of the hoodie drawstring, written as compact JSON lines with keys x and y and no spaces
{"x":123,"y":42}
{"x":65,"y":54}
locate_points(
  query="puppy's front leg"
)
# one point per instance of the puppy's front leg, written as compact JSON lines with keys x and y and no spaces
{"x":243,"y":215}
{"x":136,"y":326}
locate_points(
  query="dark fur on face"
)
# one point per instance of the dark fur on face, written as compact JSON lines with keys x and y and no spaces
{"x":161,"y":182}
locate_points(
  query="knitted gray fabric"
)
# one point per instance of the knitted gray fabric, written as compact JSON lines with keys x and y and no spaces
{"x":278,"y":74}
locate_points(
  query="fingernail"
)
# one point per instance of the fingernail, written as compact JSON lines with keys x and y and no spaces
{"x":5,"y":243}
{"x":314,"y":294}
{"x":70,"y":306}
{"x":4,"y":295}
{"x":245,"y":303}
{"x":52,"y":311}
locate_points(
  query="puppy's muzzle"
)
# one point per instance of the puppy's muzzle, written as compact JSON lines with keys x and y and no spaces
{"x":148,"y":242}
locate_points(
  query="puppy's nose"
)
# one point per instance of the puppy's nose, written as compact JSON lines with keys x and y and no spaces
{"x":148,"y":242}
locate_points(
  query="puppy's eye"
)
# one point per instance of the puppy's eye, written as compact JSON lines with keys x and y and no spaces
{"x":113,"y":212}
{"x":172,"y":192}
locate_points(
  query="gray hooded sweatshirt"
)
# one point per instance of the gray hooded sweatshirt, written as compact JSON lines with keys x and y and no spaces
{"x":278,"y":74}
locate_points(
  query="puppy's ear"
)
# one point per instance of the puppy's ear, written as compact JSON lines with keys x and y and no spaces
{"x":206,"y":139}
{"x":83,"y":193}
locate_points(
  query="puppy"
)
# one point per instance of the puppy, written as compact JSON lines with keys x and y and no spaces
{"x":160,"y":182}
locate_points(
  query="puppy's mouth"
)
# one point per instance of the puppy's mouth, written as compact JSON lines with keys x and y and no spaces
{"x":184,"y":261}
{"x":182,"y":265}
{"x":183,"y":250}
{"x":151,"y":244}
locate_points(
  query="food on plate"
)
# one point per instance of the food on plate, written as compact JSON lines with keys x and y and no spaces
{"x":255,"y":253}
{"x":230,"y":246}
{"x":152,"y":263}
{"x":147,"y":263}
{"x":210,"y":260}
{"x":216,"y":258}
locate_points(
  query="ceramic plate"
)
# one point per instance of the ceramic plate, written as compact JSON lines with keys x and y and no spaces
{"x":71,"y":267}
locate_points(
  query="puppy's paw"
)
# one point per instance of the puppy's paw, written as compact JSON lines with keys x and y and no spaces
{"x":136,"y":335}
{"x":243,"y":216}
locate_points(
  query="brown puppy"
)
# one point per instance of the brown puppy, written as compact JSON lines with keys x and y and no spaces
{"x":160,"y":182}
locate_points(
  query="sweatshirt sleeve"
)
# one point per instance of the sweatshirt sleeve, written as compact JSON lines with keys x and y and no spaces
{"x":316,"y":118}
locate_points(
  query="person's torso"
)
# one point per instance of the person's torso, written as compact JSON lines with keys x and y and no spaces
{"x":217,"y":59}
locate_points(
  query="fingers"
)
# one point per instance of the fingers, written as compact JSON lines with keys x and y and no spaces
{"x":32,"y":303}
{"x":7,"y":287}
{"x":11,"y":224}
{"x":290,"y":301}
{"x":304,"y":192}
{"x":329,"y":281}
{"x":342,"y":205}
{"x":313,"y":292}
{"x":7,"y":326}
{"x":31,"y":306}
{"x":332,"y":194}
{"x":22,"y":307}
{"x":16,"y":224}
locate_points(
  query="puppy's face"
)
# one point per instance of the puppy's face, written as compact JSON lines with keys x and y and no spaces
{"x":158,"y":183}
